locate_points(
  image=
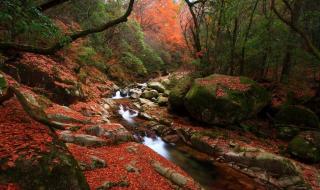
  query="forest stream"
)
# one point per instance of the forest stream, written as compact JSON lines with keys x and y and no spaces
{"x":208,"y":173}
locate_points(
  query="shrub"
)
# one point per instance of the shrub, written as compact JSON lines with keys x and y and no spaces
{"x":133,"y":63}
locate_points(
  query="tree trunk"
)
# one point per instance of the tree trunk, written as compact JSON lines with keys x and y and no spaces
{"x":242,"y":62}
{"x":286,"y":66}
{"x":233,"y":46}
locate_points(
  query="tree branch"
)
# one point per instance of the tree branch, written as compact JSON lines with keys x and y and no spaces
{"x":74,"y":36}
{"x":313,"y":49}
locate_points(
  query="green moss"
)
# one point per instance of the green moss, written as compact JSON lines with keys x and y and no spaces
{"x":287,"y":132}
{"x":246,"y":80}
{"x":297,"y":115}
{"x":235,"y":105}
{"x":56,"y":169}
{"x":306,"y":146}
{"x":178,"y":92}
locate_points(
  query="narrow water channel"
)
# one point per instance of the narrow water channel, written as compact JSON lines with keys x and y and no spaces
{"x":209,"y":176}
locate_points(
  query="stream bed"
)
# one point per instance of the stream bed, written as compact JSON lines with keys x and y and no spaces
{"x":209,"y":175}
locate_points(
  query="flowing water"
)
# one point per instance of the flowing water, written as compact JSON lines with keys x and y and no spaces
{"x":209,"y":176}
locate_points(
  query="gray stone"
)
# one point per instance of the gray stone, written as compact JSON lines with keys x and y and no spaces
{"x":97,"y":162}
{"x":149,"y":94}
{"x":146,"y":102}
{"x":157,"y":86}
{"x":162,"y":101}
{"x":135,"y":93}
{"x":171,"y":138}
{"x":96,"y":130}
{"x":171,"y":174}
{"x":165,"y":82}
{"x":132,"y":168}
{"x":145,"y":116}
{"x":82,"y":139}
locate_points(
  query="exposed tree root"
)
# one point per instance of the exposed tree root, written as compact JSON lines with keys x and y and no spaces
{"x":34,"y":112}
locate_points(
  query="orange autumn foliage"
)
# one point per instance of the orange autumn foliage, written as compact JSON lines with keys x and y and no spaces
{"x":160,"y":22}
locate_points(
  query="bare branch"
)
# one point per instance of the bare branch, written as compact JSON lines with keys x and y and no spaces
{"x":312,"y":48}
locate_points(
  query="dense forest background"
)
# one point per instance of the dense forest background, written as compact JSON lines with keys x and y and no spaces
{"x":232,"y":37}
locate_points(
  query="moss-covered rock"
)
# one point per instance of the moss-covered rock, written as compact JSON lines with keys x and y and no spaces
{"x":306,"y":146}
{"x":297,"y":115}
{"x":162,"y":101}
{"x":287,"y":132}
{"x":221,"y":99}
{"x":178,"y":92}
{"x":53,"y":170}
{"x":277,"y":170}
{"x":149,"y":94}
{"x":157,"y":86}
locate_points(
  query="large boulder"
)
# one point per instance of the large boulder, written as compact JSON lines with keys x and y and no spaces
{"x":221,"y":99}
{"x":278,"y":171}
{"x":306,"y":146}
{"x":178,"y":92}
{"x":32,"y":156}
{"x":55,"y":169}
{"x":298,"y":116}
{"x":157,"y":86}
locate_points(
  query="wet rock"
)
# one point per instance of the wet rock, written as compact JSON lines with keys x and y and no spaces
{"x":297,"y":115}
{"x":222,"y":99}
{"x":162,"y":101}
{"x":277,"y":170}
{"x":82,"y":139}
{"x":159,"y":128}
{"x":149,"y":94}
{"x":135,"y":93}
{"x":306,"y":146}
{"x":141,"y":85}
{"x":156,"y":86}
{"x":202,"y":143}
{"x":171,"y":138}
{"x":124,"y":92}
